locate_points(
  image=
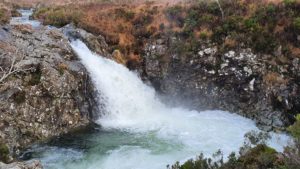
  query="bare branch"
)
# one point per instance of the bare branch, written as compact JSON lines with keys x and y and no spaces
{"x":12,"y":69}
{"x":221,"y":9}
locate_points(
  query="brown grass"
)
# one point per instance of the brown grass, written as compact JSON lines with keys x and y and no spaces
{"x":125,"y":27}
{"x":274,"y":79}
{"x":122,"y":24}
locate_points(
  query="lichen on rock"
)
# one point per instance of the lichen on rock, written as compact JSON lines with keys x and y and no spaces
{"x":50,"y":94}
{"x":236,"y":80}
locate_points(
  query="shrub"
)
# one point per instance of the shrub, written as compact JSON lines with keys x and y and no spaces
{"x":264,"y":42}
{"x":199,"y":163}
{"x":59,"y":16}
{"x":62,"y":68}
{"x":296,"y":23}
{"x":125,"y":14}
{"x":232,"y":24}
{"x":214,"y":9}
{"x":230,"y":43}
{"x":203,"y":35}
{"x":143,"y":20}
{"x":266,"y":15}
{"x":295,"y":128}
{"x":218,"y":34}
{"x":174,"y":14}
{"x":206,"y":18}
{"x":292,"y":153}
{"x":4,"y":17}
{"x":162,"y":27}
{"x":251,"y":24}
{"x":192,"y":19}
{"x":40,"y":12}
{"x":260,"y":156}
{"x":289,"y":2}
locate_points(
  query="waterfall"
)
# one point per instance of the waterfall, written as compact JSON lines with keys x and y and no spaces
{"x":140,"y":132}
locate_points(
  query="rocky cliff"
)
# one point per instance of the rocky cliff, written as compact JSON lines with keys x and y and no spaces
{"x":20,"y":165}
{"x":44,"y":89}
{"x":238,"y":80}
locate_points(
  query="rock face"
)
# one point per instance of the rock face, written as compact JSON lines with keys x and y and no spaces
{"x":32,"y":165}
{"x":255,"y":86}
{"x":49,"y":93}
{"x":96,"y":43}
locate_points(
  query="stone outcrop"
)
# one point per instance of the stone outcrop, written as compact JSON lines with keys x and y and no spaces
{"x":253,"y":85}
{"x":96,"y":43}
{"x":50,"y":92}
{"x":21,"y":165}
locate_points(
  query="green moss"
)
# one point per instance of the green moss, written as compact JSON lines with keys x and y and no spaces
{"x":251,"y":24}
{"x":296,"y":23}
{"x":203,"y":35}
{"x":4,"y":153}
{"x":295,"y":128}
{"x":20,"y":97}
{"x":35,"y":78}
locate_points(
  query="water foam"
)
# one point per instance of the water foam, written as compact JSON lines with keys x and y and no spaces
{"x":132,"y":106}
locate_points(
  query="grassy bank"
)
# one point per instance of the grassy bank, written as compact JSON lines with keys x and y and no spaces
{"x":263,"y":26}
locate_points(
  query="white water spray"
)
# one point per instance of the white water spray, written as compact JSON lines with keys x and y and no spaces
{"x":132,"y":106}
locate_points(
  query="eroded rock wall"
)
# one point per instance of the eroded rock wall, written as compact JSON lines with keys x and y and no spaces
{"x":49,"y":94}
{"x":239,"y":80}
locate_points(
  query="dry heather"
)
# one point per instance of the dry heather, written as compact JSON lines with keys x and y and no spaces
{"x":127,"y":25}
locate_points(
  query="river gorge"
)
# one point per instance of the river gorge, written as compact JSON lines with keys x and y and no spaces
{"x":138,"y":131}
{"x":136,"y":128}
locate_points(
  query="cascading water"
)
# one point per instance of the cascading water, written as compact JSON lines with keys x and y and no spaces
{"x":140,"y":132}
{"x":137,"y":130}
{"x":25,"y":19}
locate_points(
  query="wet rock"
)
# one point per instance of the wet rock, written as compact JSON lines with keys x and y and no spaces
{"x":4,"y":35}
{"x":209,"y":51}
{"x":237,"y":80}
{"x":251,"y":84}
{"x":22,"y":165}
{"x":50,"y":94}
{"x":95,"y":43}
{"x":230,"y":54}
